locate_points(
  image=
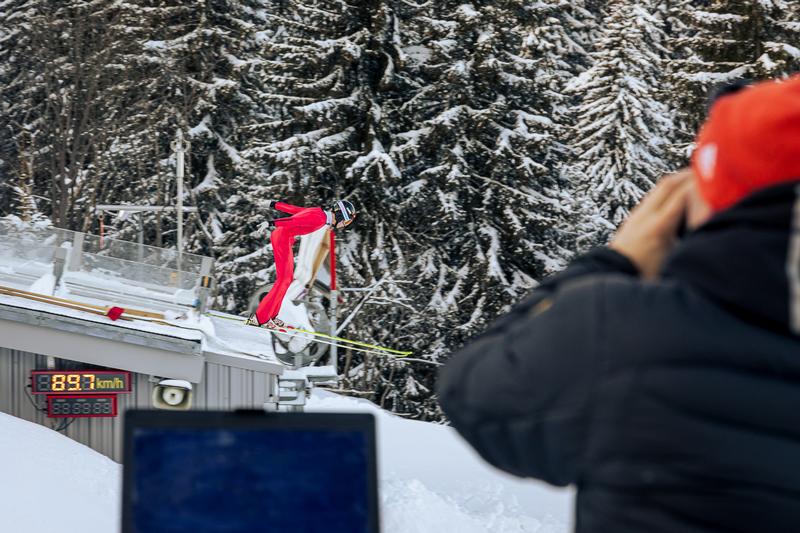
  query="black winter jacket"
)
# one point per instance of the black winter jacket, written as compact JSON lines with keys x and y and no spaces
{"x":673,"y":406}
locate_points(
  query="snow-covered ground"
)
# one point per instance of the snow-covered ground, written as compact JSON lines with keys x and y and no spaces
{"x":51,"y":483}
{"x":430,"y":482}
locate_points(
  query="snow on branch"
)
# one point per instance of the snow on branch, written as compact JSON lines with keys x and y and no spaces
{"x":376,"y":158}
{"x":327,"y":105}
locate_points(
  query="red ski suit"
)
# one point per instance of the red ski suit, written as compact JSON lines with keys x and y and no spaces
{"x":304,"y":220}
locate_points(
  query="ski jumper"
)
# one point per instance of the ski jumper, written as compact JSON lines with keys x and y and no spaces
{"x":304,"y":220}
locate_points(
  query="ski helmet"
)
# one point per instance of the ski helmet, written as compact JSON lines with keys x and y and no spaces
{"x":343,"y":211}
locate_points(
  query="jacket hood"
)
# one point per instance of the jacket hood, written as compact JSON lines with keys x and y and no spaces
{"x":747,"y":258}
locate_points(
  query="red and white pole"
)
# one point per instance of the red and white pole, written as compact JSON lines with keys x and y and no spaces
{"x":333,"y":360}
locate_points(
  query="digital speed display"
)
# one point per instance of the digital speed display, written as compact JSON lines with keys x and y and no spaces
{"x":81,"y":406}
{"x":80,"y":381}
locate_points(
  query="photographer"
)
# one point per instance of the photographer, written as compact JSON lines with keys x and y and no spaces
{"x":661,"y":376}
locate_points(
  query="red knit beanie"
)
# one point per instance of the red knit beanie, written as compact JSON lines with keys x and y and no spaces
{"x":750,"y":141}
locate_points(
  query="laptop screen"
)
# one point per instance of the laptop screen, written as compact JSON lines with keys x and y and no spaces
{"x":244,"y":472}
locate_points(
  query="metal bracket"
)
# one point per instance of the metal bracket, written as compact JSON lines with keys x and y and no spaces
{"x":293,"y":390}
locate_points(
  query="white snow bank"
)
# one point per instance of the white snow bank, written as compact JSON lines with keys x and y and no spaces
{"x":44,"y":285}
{"x":52,"y":483}
{"x":430,"y":482}
{"x":411,"y":507}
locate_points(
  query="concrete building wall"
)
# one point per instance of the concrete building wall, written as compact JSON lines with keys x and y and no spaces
{"x":222,"y":387}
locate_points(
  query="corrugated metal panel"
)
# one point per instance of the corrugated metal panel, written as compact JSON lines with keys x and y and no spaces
{"x":227,"y":387}
{"x":241,"y":387}
{"x":6,"y":381}
{"x":264,"y":385}
{"x":224,"y":387}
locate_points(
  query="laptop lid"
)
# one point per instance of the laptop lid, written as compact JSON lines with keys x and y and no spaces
{"x":249,"y":472}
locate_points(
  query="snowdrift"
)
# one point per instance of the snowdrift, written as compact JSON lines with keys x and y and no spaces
{"x":430,"y":482}
{"x":52,"y":483}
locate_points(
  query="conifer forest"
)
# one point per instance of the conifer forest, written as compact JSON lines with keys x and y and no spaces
{"x":483,"y":143}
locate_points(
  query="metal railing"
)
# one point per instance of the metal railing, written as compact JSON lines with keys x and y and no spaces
{"x":85,"y":262}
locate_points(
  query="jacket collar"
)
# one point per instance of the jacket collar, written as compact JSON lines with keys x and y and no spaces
{"x":747,"y":258}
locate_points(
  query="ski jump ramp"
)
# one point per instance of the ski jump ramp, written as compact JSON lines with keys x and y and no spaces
{"x":57,"y":290}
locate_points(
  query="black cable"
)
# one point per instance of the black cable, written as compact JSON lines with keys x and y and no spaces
{"x":33,"y":402}
{"x":67,"y":423}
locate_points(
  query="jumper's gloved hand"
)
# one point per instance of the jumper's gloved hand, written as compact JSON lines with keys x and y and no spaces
{"x":267,"y":226}
{"x":272,"y":203}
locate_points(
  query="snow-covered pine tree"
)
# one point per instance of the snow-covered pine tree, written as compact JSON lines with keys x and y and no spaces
{"x":326,"y":69}
{"x":784,"y":48}
{"x":315,"y":68}
{"x":382,"y":257}
{"x":483,"y":162}
{"x":59,"y":100}
{"x":192,"y":71}
{"x":12,"y":31}
{"x":26,"y":207}
{"x":559,"y":41}
{"x":443,"y":122}
{"x":725,"y":41}
{"x":562,"y":34}
{"x":481,"y":211}
{"x":623,"y":129}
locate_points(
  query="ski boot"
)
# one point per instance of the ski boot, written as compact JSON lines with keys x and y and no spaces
{"x":275,"y":323}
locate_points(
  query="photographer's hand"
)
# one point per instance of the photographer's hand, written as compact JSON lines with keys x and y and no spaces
{"x":649,"y":233}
